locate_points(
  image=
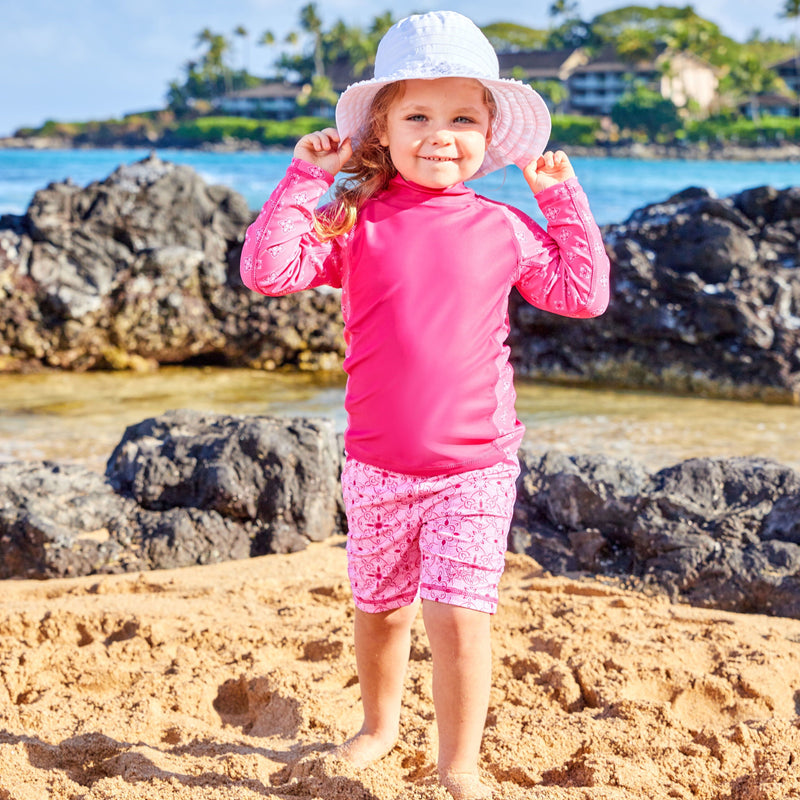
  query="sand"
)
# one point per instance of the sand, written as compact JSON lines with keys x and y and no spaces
{"x":231,"y":681}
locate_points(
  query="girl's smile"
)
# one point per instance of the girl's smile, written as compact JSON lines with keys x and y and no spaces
{"x":437,"y":131}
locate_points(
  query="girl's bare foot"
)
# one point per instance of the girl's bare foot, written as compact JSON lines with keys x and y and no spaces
{"x":364,"y":748}
{"x":465,"y":786}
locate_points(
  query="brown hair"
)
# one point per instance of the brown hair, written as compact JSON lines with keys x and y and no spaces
{"x":370,"y":168}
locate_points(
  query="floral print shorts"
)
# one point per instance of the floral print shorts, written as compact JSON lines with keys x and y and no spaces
{"x":443,"y":538}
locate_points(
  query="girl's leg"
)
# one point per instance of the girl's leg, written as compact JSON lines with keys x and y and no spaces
{"x":462,"y":666}
{"x":383,"y":642}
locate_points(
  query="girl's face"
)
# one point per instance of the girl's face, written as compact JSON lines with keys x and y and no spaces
{"x":437,"y":131}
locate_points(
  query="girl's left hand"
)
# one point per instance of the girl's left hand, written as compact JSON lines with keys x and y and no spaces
{"x":548,"y":170}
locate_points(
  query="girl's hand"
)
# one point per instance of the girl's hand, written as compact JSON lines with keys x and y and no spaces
{"x":324,"y":149}
{"x":548,"y":170}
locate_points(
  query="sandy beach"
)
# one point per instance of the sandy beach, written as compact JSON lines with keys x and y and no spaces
{"x":232,"y":680}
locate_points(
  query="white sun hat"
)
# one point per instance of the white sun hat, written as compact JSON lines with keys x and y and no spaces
{"x":445,"y":44}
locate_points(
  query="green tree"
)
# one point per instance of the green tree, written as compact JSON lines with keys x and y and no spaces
{"x":645,"y":111}
{"x":305,"y":64}
{"x":340,"y":42}
{"x":380,"y":24}
{"x":311,"y":23}
{"x":662,"y":27}
{"x":318,"y":94}
{"x":267,"y":39}
{"x":555,"y":92}
{"x":207,"y":77}
{"x":213,"y":67}
{"x":791,"y":10}
{"x":506,"y":36}
{"x":244,"y":35}
{"x":351,"y":44}
{"x":217,"y":47}
{"x":702,"y":38}
{"x":572,"y":33}
{"x":609,"y":25}
{"x":748,"y":78}
{"x":636,"y":44}
{"x":566,"y":9}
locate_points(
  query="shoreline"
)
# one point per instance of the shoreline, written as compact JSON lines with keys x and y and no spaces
{"x":636,"y":150}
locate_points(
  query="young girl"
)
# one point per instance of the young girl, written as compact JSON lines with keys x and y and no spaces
{"x":426,"y":266}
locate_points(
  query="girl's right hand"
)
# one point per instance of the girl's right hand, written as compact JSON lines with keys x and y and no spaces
{"x":324,"y":149}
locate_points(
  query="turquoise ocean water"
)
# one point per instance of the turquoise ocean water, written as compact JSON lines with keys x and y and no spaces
{"x":615,"y":186}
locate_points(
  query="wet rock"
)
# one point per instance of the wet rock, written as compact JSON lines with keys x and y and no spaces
{"x":705,"y":299}
{"x":142,"y":269}
{"x":181,"y":489}
{"x":62,"y":520}
{"x":279,"y":476}
{"x":713,"y":532}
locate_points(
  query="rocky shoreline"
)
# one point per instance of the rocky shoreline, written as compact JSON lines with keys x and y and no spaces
{"x":142,"y":269}
{"x":188,"y":488}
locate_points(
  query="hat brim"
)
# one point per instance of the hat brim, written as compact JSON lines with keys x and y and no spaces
{"x":520,"y":129}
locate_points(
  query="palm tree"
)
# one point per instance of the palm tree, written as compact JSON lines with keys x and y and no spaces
{"x":750,"y":78}
{"x":267,"y":39}
{"x":350,"y":44}
{"x":381,"y":24}
{"x":311,"y":23}
{"x":563,"y":8}
{"x":213,"y":61}
{"x":243,"y":34}
{"x":217,"y":47}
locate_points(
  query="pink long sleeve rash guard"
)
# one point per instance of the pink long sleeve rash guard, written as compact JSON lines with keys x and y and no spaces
{"x":425,"y":277}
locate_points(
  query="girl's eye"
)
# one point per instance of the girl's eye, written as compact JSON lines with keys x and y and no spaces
{"x":417,"y":118}
{"x":464,"y":120}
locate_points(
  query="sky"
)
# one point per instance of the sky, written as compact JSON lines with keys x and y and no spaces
{"x":96,"y":59}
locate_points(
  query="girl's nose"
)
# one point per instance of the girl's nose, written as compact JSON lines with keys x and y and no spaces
{"x":441,"y":136}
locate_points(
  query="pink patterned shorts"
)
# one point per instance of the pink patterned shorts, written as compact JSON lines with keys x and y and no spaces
{"x":442,"y":537}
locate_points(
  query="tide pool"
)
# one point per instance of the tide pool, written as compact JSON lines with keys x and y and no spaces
{"x":80,"y":417}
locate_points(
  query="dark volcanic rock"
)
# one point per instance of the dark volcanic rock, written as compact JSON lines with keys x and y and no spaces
{"x":282,"y":476}
{"x":143,"y":268}
{"x":62,"y":520}
{"x":705,"y":298}
{"x":722,"y":533}
{"x":181,"y":489}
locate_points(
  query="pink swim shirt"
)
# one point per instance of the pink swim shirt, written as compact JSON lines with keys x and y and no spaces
{"x":425,"y":277}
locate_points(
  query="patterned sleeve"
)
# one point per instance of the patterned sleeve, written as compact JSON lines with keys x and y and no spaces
{"x":565,"y":269}
{"x":281,"y":253}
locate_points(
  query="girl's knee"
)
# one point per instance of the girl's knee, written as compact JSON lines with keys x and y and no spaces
{"x":459,"y":626}
{"x":391,"y":620}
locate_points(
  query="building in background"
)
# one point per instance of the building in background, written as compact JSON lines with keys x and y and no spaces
{"x":270,"y":100}
{"x":590,"y":86}
{"x":789,"y":72}
{"x":594,"y":85}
